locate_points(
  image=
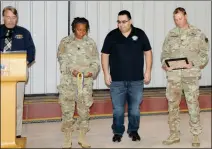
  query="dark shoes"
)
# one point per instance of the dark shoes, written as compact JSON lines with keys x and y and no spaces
{"x":117,"y":137}
{"x":19,"y":136}
{"x":135,"y":136}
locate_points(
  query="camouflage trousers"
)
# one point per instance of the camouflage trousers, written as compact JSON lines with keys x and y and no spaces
{"x":68,"y":99}
{"x":190,"y":86}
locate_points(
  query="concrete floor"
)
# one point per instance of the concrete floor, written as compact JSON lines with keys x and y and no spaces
{"x":153,"y":130}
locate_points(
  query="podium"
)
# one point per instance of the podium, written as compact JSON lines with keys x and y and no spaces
{"x":13,"y":70}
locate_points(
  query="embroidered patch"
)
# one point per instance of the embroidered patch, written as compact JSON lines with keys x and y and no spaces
{"x":19,"y":36}
{"x":4,"y":70}
{"x":206,"y":40}
{"x":134,"y":38}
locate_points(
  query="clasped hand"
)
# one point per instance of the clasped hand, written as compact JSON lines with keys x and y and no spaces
{"x":75,"y":73}
{"x":186,"y":66}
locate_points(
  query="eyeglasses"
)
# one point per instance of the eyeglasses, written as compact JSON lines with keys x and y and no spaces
{"x":123,"y":22}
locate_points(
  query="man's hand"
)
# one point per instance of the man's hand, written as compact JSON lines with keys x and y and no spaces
{"x":108,"y":79}
{"x":89,"y":74}
{"x":167,"y":68}
{"x":188,"y":66}
{"x":28,"y":64}
{"x":75,"y":73}
{"x":147,"y":77}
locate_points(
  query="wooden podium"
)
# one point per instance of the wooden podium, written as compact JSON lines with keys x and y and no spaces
{"x":13,"y":70}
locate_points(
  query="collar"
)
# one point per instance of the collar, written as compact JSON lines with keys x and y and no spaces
{"x":133,"y":30}
{"x":191,"y":30}
{"x":5,"y":29}
{"x":72,"y":37}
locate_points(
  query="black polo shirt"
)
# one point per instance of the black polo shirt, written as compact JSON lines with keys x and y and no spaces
{"x":21,"y":40}
{"x":126,"y":54}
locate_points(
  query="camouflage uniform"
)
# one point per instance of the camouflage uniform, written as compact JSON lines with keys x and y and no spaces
{"x":81,"y":55}
{"x":193,"y":44}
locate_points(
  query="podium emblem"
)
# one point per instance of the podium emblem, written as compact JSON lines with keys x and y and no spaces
{"x":4,"y":70}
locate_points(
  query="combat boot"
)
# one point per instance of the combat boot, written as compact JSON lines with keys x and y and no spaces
{"x":67,"y":140}
{"x":173,"y":138}
{"x":82,"y":141}
{"x":195,"y":141}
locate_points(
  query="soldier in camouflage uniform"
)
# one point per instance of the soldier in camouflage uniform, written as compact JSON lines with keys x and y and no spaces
{"x":77,"y":54}
{"x":188,"y":41}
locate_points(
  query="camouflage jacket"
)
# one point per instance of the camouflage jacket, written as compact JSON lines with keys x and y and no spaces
{"x":81,"y":55}
{"x":190,"y":43}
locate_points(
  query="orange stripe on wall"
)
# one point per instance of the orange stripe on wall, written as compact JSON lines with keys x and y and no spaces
{"x":49,"y":110}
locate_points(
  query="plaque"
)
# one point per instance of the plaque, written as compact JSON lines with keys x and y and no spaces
{"x":177,"y":63}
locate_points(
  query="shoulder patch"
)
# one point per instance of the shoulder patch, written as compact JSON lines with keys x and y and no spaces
{"x":206,"y":39}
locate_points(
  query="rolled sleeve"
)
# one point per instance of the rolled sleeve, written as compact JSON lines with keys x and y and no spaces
{"x":107,"y":45}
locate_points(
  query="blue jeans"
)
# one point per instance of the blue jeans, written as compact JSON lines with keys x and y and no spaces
{"x":132,"y":92}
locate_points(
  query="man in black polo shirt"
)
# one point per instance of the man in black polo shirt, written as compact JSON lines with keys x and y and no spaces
{"x":123,"y":51}
{"x":16,"y":38}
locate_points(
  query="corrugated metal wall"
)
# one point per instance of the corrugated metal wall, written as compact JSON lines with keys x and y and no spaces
{"x":48,"y":23}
